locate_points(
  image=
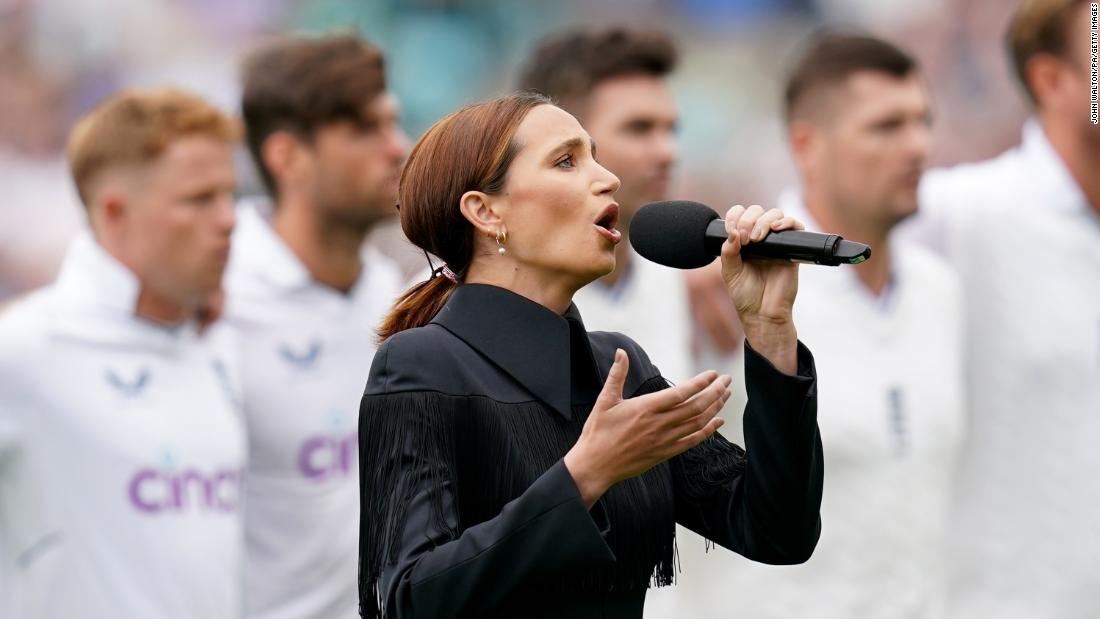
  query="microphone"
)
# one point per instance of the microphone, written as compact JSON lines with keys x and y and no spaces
{"x":688,"y":235}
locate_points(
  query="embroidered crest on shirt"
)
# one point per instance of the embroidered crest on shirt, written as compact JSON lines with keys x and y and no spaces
{"x":301,"y":359}
{"x":129,"y":387}
{"x":898,"y":426}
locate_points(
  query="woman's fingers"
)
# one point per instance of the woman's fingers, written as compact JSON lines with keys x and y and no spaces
{"x":747,"y":221}
{"x":700,"y":421}
{"x":787,"y":223}
{"x":612,"y":392}
{"x":752,"y":224}
{"x":678,"y":394}
{"x":731,"y":259}
{"x":697,"y":405}
{"x":697,"y":429}
{"x":732,"y":217}
{"x":763,"y":225}
{"x":693,"y":439}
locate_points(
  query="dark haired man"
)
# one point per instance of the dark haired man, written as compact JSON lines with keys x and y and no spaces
{"x":304,"y":298}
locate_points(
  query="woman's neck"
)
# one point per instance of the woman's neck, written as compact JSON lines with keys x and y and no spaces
{"x":554,"y":292}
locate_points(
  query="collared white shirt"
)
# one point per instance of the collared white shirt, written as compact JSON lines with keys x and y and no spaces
{"x":891,"y":417}
{"x":306,"y":351}
{"x":1027,"y":245}
{"x":649,"y":304}
{"x":121,"y":451}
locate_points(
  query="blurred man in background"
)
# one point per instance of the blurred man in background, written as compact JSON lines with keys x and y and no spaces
{"x":305,"y":298}
{"x":890,"y":332}
{"x":1024,"y":231}
{"x":41,"y":211}
{"x":615,"y":82}
{"x":121,"y":444}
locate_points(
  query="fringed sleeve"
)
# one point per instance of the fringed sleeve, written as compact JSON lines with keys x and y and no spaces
{"x":404,"y":465}
{"x":415,"y":562}
{"x":762,"y":503}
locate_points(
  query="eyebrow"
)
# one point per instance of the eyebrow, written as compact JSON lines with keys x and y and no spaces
{"x":572,"y":143}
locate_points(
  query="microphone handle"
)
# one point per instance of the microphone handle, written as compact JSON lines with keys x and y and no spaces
{"x":796,"y":245}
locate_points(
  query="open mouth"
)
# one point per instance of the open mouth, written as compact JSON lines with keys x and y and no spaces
{"x":609,"y":217}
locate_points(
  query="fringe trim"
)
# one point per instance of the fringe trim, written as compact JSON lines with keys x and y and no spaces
{"x":712,"y":464}
{"x":396,"y":433}
{"x":705,"y":469}
{"x":489,"y":453}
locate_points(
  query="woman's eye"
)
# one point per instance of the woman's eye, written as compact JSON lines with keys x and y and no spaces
{"x":565,"y":162}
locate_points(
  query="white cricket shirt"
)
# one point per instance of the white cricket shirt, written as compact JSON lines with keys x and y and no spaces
{"x":121,"y":452}
{"x":890,"y":411}
{"x":1027,"y":245}
{"x":306,"y":350}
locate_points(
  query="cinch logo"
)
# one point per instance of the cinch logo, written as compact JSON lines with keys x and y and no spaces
{"x":324,"y":457}
{"x":155,"y":491}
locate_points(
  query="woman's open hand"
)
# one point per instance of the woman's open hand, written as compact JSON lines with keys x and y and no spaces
{"x":623,"y":438}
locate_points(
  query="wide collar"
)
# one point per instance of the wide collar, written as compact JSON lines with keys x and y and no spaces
{"x":526,"y":340}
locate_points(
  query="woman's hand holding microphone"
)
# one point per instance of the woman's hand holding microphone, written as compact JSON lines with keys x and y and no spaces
{"x":762,"y":291}
{"x":623,"y":438}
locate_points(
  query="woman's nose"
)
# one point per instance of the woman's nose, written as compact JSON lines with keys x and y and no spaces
{"x":606,"y":182}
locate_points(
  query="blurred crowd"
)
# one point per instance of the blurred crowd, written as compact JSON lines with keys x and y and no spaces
{"x":60,"y":57}
{"x":959,"y":371}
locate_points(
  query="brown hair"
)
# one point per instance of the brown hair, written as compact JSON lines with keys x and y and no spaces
{"x":1038,"y":27}
{"x":828,"y":58}
{"x":302,"y":84}
{"x":135,"y":127}
{"x":468,"y":150}
{"x":568,"y":66}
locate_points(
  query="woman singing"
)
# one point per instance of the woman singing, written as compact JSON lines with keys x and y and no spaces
{"x":514,"y":464}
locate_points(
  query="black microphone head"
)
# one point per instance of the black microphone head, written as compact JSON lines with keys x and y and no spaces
{"x":673,"y":233}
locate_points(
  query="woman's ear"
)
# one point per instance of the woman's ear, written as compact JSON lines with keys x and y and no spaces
{"x":479,"y":209}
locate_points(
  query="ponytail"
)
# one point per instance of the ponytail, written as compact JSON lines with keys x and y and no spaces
{"x":417,"y":306}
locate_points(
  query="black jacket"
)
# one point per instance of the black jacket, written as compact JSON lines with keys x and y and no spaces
{"x":468,"y":510}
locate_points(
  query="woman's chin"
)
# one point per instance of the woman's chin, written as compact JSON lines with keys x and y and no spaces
{"x":607,"y":264}
{"x":599,"y":268}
